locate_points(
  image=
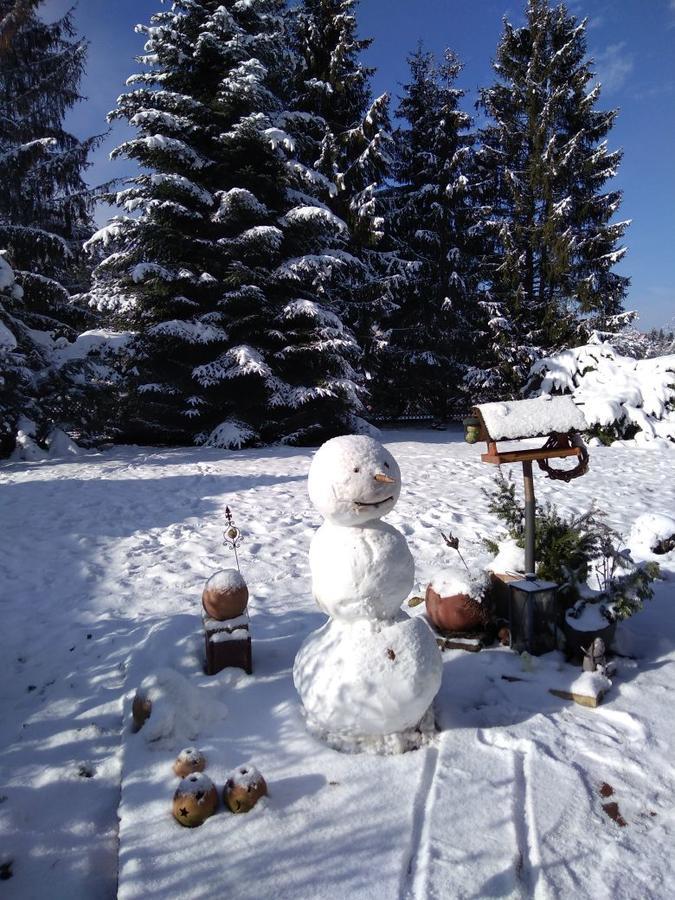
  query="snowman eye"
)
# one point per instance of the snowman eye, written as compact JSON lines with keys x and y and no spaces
{"x":357,"y":469}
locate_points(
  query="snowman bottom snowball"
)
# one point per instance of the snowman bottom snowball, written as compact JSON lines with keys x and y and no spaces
{"x":364,"y":680}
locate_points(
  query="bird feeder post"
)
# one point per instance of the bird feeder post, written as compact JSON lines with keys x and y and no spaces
{"x":530,"y":507}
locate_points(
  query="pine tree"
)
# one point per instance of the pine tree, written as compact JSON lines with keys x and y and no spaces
{"x":215,"y":273}
{"x":45,"y":207}
{"x":431,"y":333}
{"x":547,"y":213}
{"x":353,"y":145}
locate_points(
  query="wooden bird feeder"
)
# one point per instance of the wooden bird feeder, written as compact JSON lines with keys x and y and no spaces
{"x":558,"y":419}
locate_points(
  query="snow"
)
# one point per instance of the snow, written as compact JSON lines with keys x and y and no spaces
{"x":315,"y":217}
{"x":6,"y":274}
{"x":96,"y":340}
{"x":648,"y":531}
{"x":510,"y":420}
{"x":196,"y":783}
{"x":589,"y":619}
{"x":510,"y":559}
{"x":7,"y":339}
{"x":449,"y":581}
{"x":102,"y":582}
{"x":225,"y":580}
{"x":238,"y":622}
{"x":244,"y":776}
{"x":614,"y":390}
{"x":230,"y":435}
{"x":190,"y":332}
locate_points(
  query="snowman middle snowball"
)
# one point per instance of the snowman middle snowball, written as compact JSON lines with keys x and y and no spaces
{"x":371,"y":671}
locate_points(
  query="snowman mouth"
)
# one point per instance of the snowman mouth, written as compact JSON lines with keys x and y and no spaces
{"x":375,"y":503}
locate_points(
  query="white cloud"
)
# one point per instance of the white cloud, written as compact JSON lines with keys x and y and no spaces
{"x":613,"y":66}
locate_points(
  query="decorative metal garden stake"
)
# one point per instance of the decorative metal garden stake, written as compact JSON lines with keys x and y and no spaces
{"x":453,"y":542}
{"x":232,"y":536}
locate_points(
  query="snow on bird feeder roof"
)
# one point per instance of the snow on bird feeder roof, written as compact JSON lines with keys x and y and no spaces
{"x":518,"y":419}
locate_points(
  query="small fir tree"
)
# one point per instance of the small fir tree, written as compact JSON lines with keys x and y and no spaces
{"x":544,"y":165}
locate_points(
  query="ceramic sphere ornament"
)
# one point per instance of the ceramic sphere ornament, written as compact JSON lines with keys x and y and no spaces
{"x":225,"y":595}
{"x":188,"y":761}
{"x":196,"y":799}
{"x":243,"y":788}
{"x":141,"y":709}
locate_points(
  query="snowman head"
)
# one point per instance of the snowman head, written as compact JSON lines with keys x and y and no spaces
{"x":353,"y":479}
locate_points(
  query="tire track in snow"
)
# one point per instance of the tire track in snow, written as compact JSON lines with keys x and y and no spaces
{"x":413,"y":877}
{"x":528,"y":856}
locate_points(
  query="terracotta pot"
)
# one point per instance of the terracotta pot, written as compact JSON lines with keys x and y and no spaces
{"x":225,"y":595}
{"x":459,"y":612}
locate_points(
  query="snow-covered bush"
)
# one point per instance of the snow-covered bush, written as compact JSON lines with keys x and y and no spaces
{"x":620,"y":397}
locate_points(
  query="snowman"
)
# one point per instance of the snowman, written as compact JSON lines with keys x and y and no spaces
{"x":368,"y":677}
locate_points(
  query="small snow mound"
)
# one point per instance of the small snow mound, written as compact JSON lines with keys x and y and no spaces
{"x":451,"y":581}
{"x":60,"y":444}
{"x":27,"y":450}
{"x":510,"y":559}
{"x":178,"y":707}
{"x":651,"y":533}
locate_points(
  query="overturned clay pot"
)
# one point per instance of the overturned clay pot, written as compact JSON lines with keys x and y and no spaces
{"x":459,"y":612}
{"x":243,"y":788}
{"x":225,"y":595}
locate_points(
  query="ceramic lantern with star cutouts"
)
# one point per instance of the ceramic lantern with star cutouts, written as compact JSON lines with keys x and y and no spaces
{"x":368,"y":677}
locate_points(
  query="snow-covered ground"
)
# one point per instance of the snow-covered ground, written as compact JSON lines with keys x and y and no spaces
{"x":102,"y":564}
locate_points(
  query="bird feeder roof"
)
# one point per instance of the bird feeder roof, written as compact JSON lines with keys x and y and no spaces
{"x":515,"y":420}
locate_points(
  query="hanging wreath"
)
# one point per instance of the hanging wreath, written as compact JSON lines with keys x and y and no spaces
{"x":555,"y":442}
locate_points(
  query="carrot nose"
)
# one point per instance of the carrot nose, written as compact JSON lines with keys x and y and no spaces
{"x":385,"y":479}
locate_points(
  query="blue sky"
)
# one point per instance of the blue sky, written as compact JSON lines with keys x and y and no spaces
{"x":631,"y":41}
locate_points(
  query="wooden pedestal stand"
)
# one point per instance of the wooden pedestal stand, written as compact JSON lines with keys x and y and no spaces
{"x":227,"y":643}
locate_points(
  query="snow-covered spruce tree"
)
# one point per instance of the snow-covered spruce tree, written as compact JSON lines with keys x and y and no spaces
{"x":352,"y":145}
{"x":215,"y":271}
{"x":45,"y":207}
{"x":431,"y":333}
{"x":547,"y":212}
